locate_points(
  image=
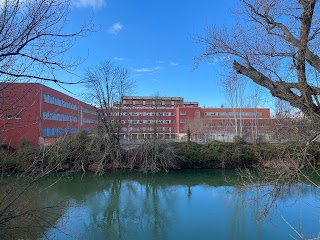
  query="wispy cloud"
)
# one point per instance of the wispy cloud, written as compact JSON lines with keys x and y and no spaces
{"x":174,"y":64}
{"x":146,"y":70}
{"x":89,"y":3}
{"x":118,"y":58}
{"x":115,"y":28}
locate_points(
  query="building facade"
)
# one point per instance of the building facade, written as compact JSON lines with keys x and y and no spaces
{"x":172,"y":118}
{"x":38,"y":114}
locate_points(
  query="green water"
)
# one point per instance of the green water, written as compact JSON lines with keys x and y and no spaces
{"x":184,"y":204}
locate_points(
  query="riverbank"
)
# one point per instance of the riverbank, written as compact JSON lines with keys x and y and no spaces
{"x":91,"y":153}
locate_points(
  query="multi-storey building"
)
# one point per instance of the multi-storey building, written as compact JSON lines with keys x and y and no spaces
{"x":142,"y":117}
{"x":39,"y":114}
{"x":226,"y":123}
{"x":172,"y":118}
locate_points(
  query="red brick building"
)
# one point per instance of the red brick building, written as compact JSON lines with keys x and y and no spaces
{"x":171,"y":117}
{"x":39,"y":114}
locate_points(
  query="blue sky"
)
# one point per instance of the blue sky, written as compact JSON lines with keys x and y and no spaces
{"x":154,"y":40}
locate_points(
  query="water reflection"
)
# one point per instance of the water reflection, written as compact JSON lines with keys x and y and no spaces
{"x":195,"y":204}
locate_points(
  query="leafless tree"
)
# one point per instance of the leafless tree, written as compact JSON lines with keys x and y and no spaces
{"x":33,"y":40}
{"x":197,"y":128}
{"x":255,"y":99}
{"x":25,"y":209}
{"x":155,"y":153}
{"x":239,"y":95}
{"x":106,"y":85}
{"x":234,"y":89}
{"x":33,"y":43}
{"x":276,"y":45}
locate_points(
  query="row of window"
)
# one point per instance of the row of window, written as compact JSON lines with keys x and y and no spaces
{"x":59,"y":117}
{"x":233,"y":114}
{"x":146,"y":107}
{"x":197,"y":113}
{"x":89,"y":120}
{"x":54,"y":132}
{"x":230,"y":125}
{"x":148,"y":121}
{"x":148,"y":129}
{"x":144,"y":114}
{"x":89,"y":111}
{"x":152,"y":102}
{"x":59,"y":102}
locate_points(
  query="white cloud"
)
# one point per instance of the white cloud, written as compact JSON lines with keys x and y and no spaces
{"x":174,"y":64}
{"x":118,"y":59}
{"x":115,"y":28}
{"x":145,"y":70}
{"x":90,"y":3}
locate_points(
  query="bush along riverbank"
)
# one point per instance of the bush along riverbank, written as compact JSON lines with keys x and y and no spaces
{"x":98,"y":154}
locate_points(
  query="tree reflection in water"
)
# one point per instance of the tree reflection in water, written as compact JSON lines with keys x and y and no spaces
{"x":178,"y":205}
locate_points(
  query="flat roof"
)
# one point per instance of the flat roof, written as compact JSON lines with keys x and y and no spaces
{"x":151,"y":98}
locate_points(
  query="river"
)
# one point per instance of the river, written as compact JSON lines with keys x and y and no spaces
{"x":182,"y":204}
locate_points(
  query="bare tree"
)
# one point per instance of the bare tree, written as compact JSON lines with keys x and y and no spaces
{"x":276,"y":45}
{"x":25,"y":209}
{"x":33,"y":43}
{"x":155,"y":153}
{"x":255,"y":99}
{"x":234,"y":89}
{"x":106,"y":85}
{"x":197,"y":129}
{"x":33,"y":40}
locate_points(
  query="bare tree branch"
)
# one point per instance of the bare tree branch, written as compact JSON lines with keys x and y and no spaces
{"x":33,"y":40}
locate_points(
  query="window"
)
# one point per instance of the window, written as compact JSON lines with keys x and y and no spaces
{"x":183,"y":120}
{"x":54,"y":132}
{"x":89,"y":120}
{"x":183,"y":112}
{"x":9,"y":116}
{"x":59,"y":102}
{"x":18,"y":116}
{"x":233,"y":114}
{"x":197,"y":113}
{"x":89,"y":111}
{"x":59,"y":117}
